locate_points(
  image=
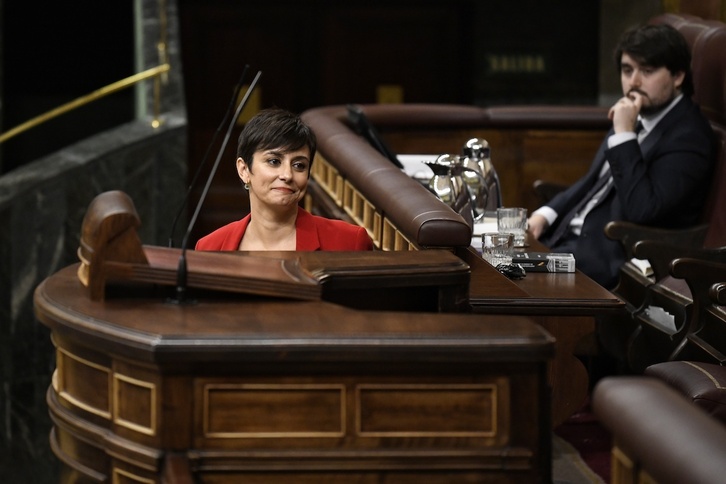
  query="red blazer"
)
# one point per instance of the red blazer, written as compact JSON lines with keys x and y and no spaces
{"x":313,"y":233}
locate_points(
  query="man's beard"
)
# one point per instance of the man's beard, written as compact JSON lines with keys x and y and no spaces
{"x":656,"y":108}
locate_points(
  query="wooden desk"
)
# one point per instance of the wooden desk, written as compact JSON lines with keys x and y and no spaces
{"x":279,"y":390}
{"x":565,"y":304}
{"x":358,"y":183}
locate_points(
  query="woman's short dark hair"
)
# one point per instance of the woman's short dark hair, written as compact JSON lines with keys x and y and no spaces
{"x":275,"y":128}
{"x":658,"y":46}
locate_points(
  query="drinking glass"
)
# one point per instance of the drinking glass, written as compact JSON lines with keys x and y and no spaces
{"x":513,"y":220}
{"x":496,"y":247}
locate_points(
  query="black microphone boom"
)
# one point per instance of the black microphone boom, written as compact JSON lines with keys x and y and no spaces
{"x":235,"y":95}
{"x":181,"y":284}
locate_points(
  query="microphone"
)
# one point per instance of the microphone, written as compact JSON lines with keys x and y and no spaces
{"x":363,"y":126}
{"x":237,"y":89}
{"x":181,"y":274}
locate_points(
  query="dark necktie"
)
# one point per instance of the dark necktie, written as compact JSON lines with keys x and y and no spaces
{"x":564,"y":227}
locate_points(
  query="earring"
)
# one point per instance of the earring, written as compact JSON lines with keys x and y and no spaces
{"x":247,"y":186}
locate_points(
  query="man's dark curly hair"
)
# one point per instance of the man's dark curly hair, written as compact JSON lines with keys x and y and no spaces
{"x":658,"y":46}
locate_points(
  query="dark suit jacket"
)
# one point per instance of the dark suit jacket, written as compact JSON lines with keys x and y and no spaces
{"x":312,"y":233}
{"x":662,"y":182}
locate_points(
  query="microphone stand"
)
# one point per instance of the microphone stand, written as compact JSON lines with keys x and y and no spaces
{"x":181,"y":284}
{"x":237,"y":89}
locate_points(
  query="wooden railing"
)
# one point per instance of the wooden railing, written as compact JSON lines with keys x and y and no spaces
{"x":385,"y":234}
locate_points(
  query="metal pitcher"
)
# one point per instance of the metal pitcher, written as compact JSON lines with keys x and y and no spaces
{"x":449,"y":186}
{"x":481,"y":177}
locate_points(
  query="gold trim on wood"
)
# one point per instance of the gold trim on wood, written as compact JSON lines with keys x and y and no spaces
{"x":489,"y":394}
{"x":393,"y":239}
{"x":153,"y":398}
{"x":120,"y":476}
{"x":361,"y":210}
{"x":622,"y":468}
{"x":385,"y":234}
{"x":282,"y":387}
{"x":61,"y":387}
{"x":328,"y":178}
{"x":377,"y":224}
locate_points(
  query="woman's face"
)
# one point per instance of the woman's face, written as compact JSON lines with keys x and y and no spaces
{"x":278,"y":178}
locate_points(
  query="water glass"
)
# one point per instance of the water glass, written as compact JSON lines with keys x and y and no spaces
{"x":513,"y":220}
{"x":496,"y":247}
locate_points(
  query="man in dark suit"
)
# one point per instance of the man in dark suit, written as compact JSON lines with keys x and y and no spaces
{"x":657,"y":175}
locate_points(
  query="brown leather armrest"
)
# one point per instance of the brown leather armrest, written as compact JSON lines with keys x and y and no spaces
{"x":628,"y":234}
{"x":417,"y":213}
{"x":454,"y":116}
{"x":703,"y":383}
{"x":684,"y":274}
{"x":662,"y":254}
{"x":413,"y":209}
{"x":705,"y":276}
{"x":718,"y":293}
{"x":653,"y":424}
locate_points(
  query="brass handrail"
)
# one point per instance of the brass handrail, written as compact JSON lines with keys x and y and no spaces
{"x":154,"y":72}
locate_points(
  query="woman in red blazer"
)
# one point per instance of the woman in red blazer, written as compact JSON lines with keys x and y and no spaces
{"x":274,"y":155}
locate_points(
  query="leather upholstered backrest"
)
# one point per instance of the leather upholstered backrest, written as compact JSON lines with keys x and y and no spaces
{"x":715,"y":208}
{"x":707,"y":39}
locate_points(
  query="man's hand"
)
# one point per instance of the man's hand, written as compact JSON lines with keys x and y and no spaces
{"x":624,"y":113}
{"x":537,"y":224}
